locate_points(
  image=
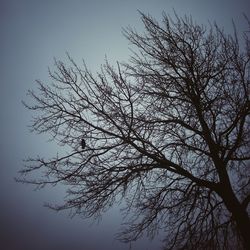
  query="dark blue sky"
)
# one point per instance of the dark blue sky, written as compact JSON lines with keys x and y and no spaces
{"x":32,"y":33}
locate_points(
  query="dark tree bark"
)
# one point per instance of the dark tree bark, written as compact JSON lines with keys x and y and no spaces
{"x":167,"y":132}
{"x":237,"y":210}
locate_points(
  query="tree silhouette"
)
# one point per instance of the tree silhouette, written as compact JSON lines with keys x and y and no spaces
{"x":168,"y":133}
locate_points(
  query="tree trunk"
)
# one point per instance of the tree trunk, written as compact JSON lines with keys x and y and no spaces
{"x":238,"y":211}
{"x":239,"y":214}
{"x":243,"y":224}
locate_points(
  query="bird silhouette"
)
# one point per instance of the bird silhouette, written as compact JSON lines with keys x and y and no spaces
{"x":83,"y":143}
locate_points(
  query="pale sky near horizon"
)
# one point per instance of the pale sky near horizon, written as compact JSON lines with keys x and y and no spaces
{"x":32,"y":33}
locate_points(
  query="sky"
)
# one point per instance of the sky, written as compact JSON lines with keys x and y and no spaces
{"x":32,"y":34}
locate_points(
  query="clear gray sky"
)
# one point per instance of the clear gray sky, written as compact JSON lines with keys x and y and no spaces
{"x":32,"y":33}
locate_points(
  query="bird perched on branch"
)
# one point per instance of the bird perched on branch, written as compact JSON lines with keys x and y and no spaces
{"x":83,"y":143}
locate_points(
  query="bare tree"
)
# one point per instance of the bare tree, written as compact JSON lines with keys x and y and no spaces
{"x":167,"y":132}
